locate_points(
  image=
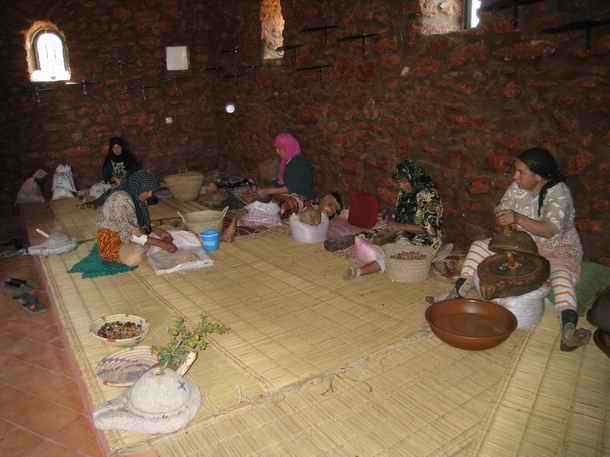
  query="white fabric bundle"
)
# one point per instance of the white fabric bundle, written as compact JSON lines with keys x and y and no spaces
{"x":30,"y":190}
{"x":98,"y":189}
{"x":57,"y":243}
{"x":63,"y":182}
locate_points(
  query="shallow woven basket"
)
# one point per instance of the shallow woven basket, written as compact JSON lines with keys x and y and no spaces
{"x":124,"y":368}
{"x":200,"y":221}
{"x":409,"y":271}
{"x":185,"y":186}
{"x":98,"y":323}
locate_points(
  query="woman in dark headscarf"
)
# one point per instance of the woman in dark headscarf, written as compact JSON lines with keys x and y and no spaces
{"x":419,"y":211}
{"x":540,"y":203}
{"x":417,"y":216}
{"x":119,"y":162}
{"x":123,"y":215}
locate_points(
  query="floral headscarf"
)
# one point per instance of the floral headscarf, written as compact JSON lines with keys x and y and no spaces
{"x":408,"y":170}
{"x":136,"y":183}
{"x":422,"y":206}
{"x":291,"y":147}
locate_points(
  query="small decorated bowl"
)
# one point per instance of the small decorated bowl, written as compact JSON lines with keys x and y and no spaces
{"x":120,"y":329}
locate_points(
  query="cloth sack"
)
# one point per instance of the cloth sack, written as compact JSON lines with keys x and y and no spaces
{"x":527,"y":308}
{"x":63,"y":183}
{"x":30,"y":190}
{"x":363,"y":210}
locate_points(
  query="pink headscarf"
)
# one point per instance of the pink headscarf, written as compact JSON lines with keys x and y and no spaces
{"x":289,"y":144}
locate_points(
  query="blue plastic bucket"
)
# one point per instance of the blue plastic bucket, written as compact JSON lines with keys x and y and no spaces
{"x":210,"y":239}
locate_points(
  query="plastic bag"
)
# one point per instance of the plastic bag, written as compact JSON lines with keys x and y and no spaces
{"x":63,"y":183}
{"x":260,"y":213}
{"x":364,"y":251}
{"x":189,"y":256}
{"x":30,"y":190}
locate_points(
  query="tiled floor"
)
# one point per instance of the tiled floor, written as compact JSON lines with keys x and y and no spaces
{"x":41,"y":411}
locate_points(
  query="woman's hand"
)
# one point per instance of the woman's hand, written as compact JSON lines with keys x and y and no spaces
{"x":162,"y":244}
{"x":135,"y":231}
{"x":411,"y":228}
{"x":164,"y":235}
{"x":507,"y":217}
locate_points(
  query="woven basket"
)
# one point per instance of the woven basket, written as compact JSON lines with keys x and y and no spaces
{"x":410,"y":271}
{"x":200,"y":221}
{"x":124,"y":368}
{"x":185,"y":186}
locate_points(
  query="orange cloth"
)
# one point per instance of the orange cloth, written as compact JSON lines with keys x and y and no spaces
{"x":109,"y":243}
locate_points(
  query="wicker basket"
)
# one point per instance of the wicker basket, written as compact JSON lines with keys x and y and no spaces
{"x":185,"y":186}
{"x":200,"y":221}
{"x":410,"y":271}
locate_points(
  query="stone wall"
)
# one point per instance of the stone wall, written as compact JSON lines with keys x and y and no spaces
{"x":118,"y":47}
{"x":463,"y":103}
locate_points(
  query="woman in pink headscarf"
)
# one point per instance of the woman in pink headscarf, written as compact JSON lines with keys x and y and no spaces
{"x":295,"y":174}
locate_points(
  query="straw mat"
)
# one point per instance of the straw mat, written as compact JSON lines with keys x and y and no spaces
{"x":313,"y":365}
{"x":553,"y":403}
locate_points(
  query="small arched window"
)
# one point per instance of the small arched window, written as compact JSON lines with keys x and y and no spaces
{"x":471,"y":13}
{"x":48,"y":56}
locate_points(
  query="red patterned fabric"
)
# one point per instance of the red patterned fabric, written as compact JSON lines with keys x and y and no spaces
{"x":109,"y":243}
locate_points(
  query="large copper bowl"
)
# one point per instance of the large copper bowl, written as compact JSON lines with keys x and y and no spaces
{"x":470,"y":324}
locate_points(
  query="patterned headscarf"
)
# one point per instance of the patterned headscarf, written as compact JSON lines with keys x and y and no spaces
{"x":136,"y":183}
{"x":541,"y":162}
{"x":291,"y":147}
{"x":406,"y":202}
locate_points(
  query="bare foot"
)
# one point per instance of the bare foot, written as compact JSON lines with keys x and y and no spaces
{"x":351,"y":273}
{"x":228,"y":235}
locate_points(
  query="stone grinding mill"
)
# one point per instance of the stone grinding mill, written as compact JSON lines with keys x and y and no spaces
{"x":515,"y":269}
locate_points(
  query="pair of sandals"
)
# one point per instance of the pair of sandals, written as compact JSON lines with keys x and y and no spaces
{"x":23,"y":292}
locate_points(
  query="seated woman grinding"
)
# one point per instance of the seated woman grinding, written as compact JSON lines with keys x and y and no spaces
{"x":417,"y":215}
{"x":123,"y":216}
{"x":539,"y":203}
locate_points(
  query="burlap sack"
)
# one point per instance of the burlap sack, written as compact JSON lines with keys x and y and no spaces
{"x":310,"y":216}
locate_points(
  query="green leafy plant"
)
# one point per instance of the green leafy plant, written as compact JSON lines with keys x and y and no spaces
{"x":184,"y":340}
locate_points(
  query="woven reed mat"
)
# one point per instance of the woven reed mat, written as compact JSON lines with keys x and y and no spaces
{"x":313,"y":365}
{"x":553,"y":403}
